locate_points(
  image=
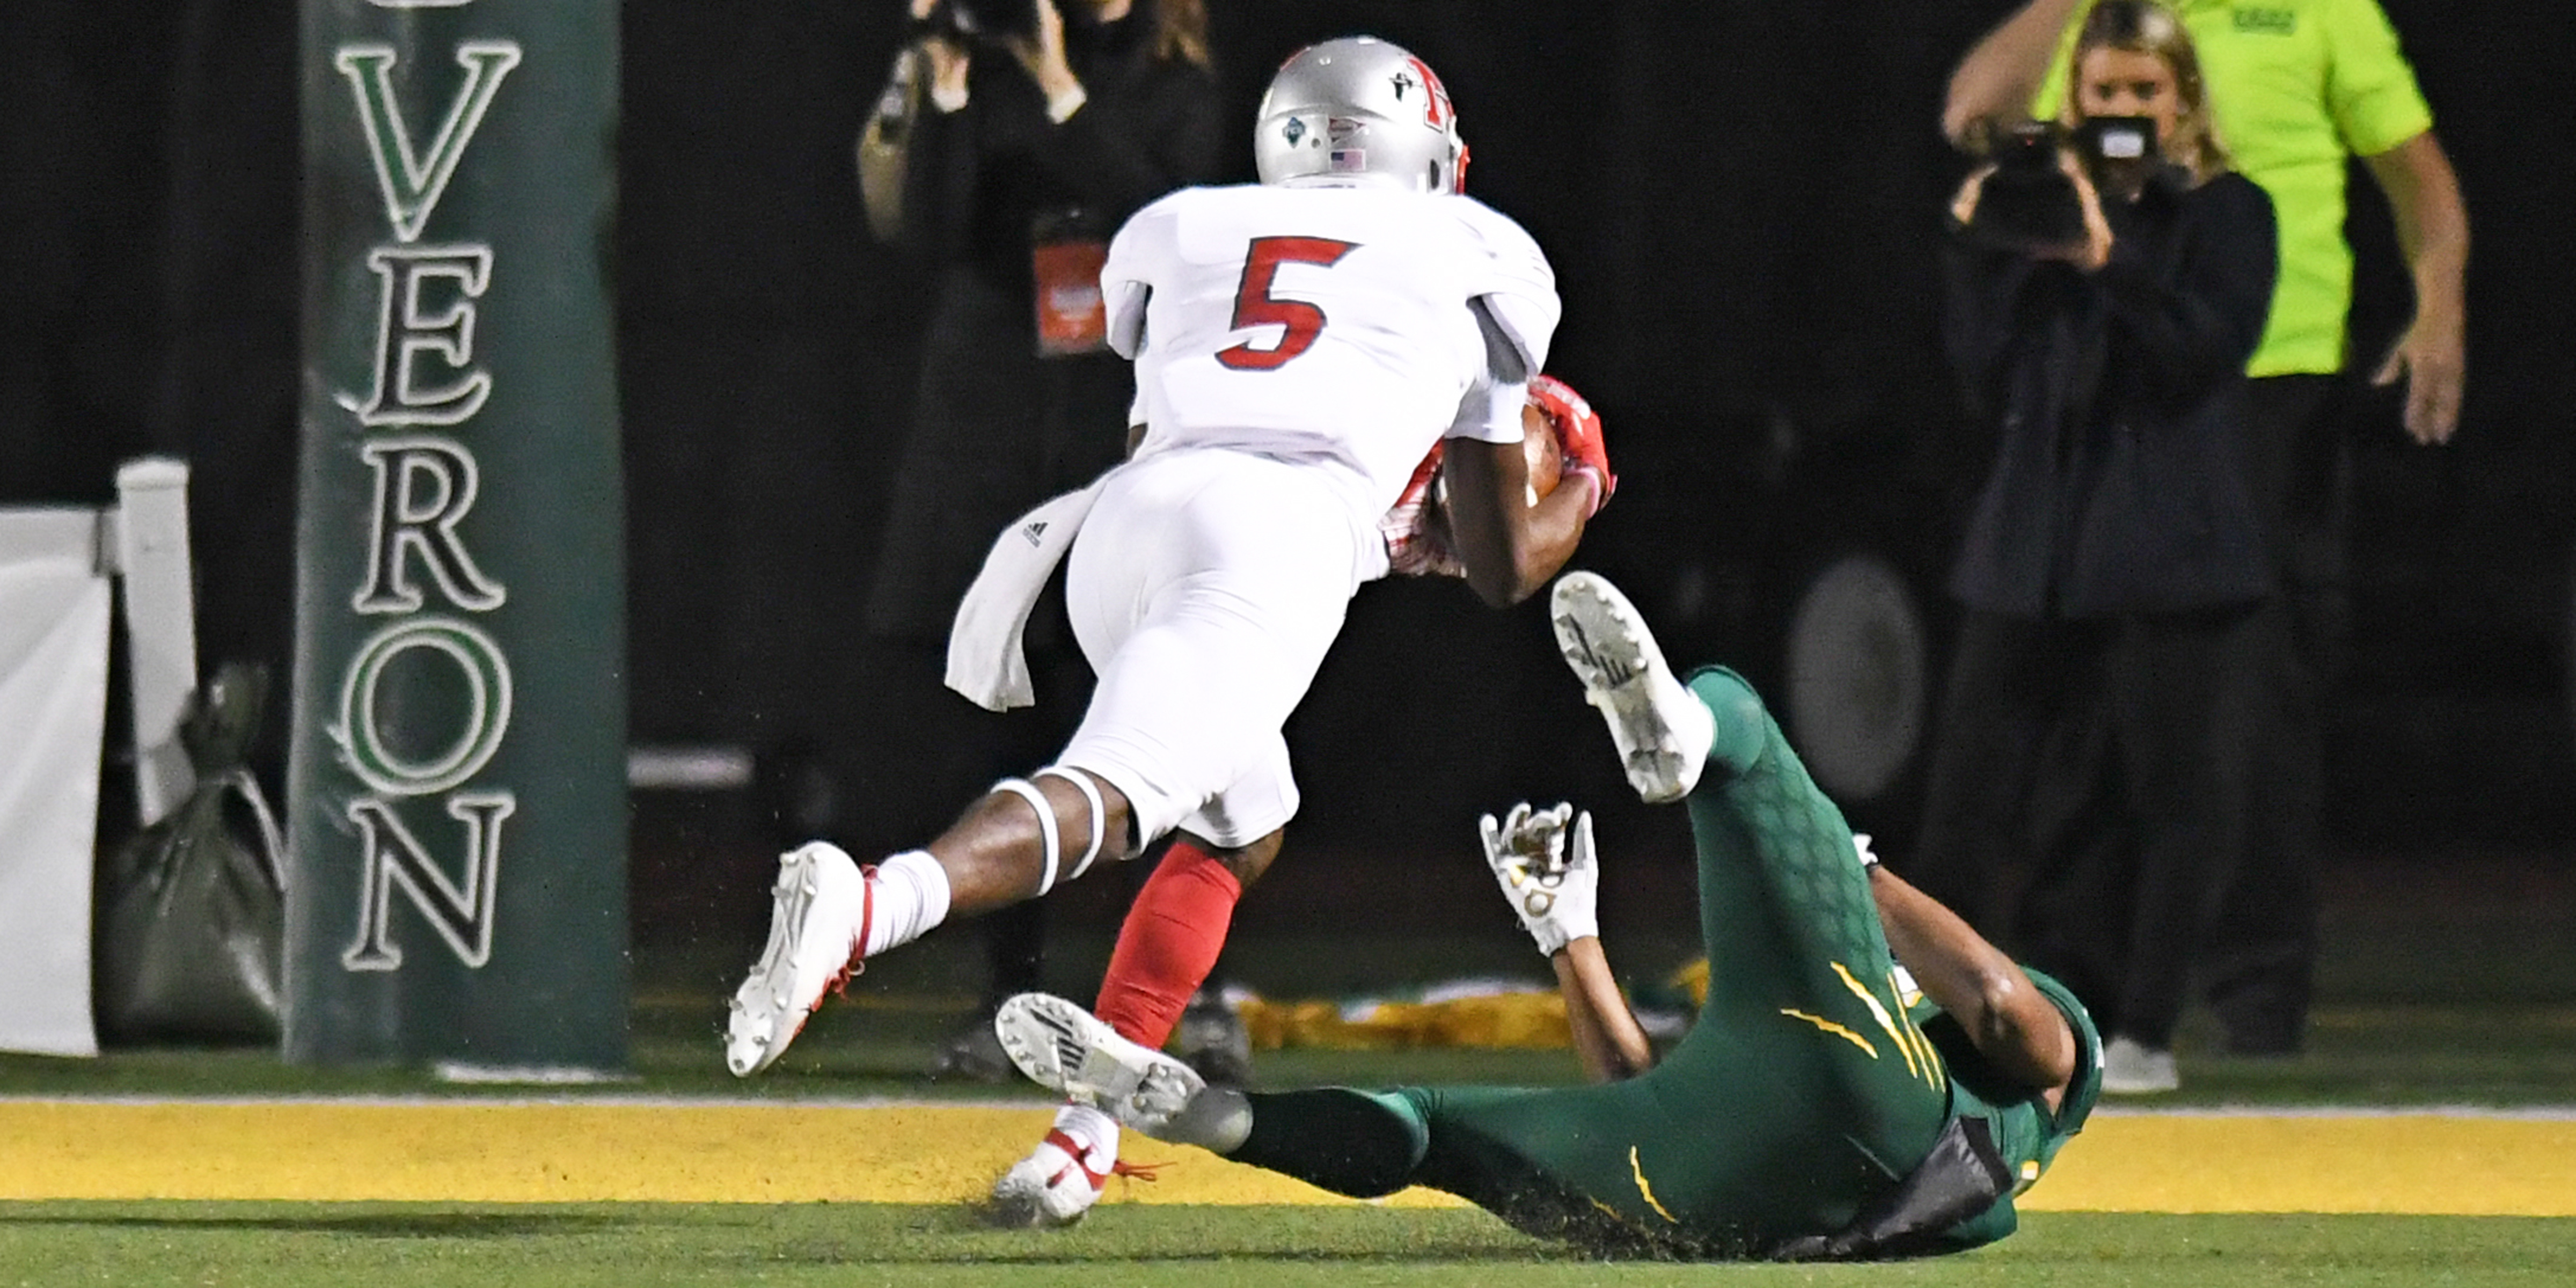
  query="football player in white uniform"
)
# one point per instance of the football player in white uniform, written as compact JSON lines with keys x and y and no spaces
{"x":1301,"y":345}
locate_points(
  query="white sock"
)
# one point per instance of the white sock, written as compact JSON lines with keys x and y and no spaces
{"x":911,"y":897}
{"x":1217,"y":1119}
{"x":1094,"y":1131}
{"x":1697,"y":724}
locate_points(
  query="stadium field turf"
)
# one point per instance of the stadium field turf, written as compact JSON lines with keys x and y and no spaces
{"x":2465,"y":1163}
{"x":154,"y":1167}
{"x":311,"y":1245}
{"x":633,"y":1192}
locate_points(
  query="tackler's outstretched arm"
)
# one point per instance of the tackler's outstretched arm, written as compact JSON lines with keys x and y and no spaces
{"x":1545,"y":863}
{"x":1607,"y":1037}
{"x":2011,"y":1022}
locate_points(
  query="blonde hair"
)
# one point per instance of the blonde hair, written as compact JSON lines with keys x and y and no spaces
{"x":1180,"y":31}
{"x":2145,"y":27}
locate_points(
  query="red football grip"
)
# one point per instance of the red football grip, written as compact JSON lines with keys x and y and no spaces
{"x":1578,"y":432}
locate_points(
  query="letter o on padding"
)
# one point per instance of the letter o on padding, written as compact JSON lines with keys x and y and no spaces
{"x":487,"y":683}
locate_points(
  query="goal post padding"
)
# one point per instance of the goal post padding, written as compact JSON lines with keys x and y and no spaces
{"x":456,"y":784}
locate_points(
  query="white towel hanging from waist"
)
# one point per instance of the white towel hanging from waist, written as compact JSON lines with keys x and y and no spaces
{"x":985,"y":658}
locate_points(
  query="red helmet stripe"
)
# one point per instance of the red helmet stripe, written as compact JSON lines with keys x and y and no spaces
{"x":1435,"y":108}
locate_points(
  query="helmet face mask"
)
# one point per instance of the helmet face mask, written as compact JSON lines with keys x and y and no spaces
{"x":1358,"y":112}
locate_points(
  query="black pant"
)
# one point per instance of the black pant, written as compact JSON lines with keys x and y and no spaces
{"x":2088,"y":791}
{"x":2260,"y":957}
{"x":995,"y":430}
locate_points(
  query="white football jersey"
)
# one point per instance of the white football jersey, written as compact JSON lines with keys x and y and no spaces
{"x":1326,"y":324}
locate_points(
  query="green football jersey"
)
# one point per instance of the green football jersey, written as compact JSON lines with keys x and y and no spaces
{"x":2024,"y":1131}
{"x":1807,"y":1114}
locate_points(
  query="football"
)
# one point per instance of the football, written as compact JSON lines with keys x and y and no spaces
{"x":1539,"y":447}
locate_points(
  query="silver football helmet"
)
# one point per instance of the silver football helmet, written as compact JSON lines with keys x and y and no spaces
{"x":1358,"y":111}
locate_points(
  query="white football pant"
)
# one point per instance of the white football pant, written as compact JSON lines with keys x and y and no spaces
{"x":1205,"y":588}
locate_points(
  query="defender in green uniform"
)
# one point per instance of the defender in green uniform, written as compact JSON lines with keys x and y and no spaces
{"x":1820,"y":1108}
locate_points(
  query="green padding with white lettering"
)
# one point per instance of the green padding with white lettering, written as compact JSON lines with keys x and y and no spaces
{"x":457,"y":791}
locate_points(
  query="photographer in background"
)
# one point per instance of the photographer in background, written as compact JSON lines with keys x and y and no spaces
{"x":1012,"y":139}
{"x":2302,"y":85}
{"x":2107,"y":277}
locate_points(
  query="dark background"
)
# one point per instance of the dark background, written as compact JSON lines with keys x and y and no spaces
{"x":1741,"y":200}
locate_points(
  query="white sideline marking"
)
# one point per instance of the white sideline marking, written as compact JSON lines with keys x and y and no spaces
{"x":688,"y":768}
{"x":541,"y":1075}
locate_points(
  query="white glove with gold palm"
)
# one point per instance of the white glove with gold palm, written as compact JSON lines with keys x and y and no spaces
{"x":1544,"y":862}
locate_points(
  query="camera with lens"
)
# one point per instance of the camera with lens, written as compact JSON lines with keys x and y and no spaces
{"x":2028,"y":203}
{"x":990,"y":20}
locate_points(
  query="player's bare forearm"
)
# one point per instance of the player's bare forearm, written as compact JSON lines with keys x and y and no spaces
{"x":1545,"y":535}
{"x":2012,"y":1023}
{"x":2433,"y":229}
{"x":1509,"y":545}
{"x":1607,"y":1037}
{"x":2002,"y":73}
{"x":2432,"y":219}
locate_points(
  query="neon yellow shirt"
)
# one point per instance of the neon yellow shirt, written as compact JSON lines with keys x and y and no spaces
{"x":2294,"y":87}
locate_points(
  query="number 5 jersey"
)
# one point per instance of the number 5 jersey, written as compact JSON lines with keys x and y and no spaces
{"x":1346,"y":327}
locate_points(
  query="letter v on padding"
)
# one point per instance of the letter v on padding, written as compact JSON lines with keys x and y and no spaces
{"x":412,"y":183}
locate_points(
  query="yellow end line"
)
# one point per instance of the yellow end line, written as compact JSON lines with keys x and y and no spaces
{"x":516,"y":1152}
{"x":2239,"y":1162}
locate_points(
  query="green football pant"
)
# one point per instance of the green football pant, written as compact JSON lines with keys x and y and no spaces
{"x":1802,"y":1092}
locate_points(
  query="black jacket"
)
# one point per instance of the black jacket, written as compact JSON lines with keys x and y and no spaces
{"x":977,"y":177}
{"x":997,"y":429}
{"x":2117,"y":402}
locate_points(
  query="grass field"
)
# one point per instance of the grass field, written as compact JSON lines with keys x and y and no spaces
{"x":230,"y":1168}
{"x":903,"y":1246}
{"x":476,"y":1191}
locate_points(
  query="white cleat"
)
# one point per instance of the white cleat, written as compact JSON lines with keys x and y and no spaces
{"x":818,"y":922}
{"x":1067,"y":1049}
{"x":1662,"y":732}
{"x":1053,"y":1187}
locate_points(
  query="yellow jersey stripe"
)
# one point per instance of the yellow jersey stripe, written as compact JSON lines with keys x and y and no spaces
{"x":1634,"y":1169}
{"x":1837,"y":1030}
{"x":1878,"y":1012}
